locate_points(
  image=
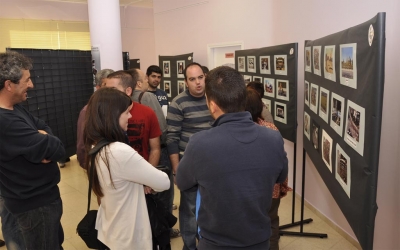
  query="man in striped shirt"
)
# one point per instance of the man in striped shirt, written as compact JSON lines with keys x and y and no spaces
{"x":187,"y":114}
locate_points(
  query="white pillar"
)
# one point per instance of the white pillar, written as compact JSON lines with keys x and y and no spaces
{"x":105,"y":32}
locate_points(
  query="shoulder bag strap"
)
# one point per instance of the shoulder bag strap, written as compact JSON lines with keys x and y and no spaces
{"x":140,"y":97}
{"x":93,"y":153}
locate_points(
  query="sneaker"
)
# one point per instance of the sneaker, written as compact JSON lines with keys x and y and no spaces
{"x":174,"y":207}
{"x":174,"y":233}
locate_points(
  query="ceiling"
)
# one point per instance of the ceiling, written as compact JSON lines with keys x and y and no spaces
{"x":133,"y":3}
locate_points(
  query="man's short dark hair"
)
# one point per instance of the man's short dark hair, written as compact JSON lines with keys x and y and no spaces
{"x":125,"y":77}
{"x":135,"y":76}
{"x":11,"y":66}
{"x":225,"y":86}
{"x":257,"y":86}
{"x":190,"y":65}
{"x":153,"y":69}
{"x":205,"y":69}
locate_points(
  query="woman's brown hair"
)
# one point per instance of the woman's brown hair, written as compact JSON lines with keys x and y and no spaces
{"x":102,"y":123}
{"x":254,"y":104}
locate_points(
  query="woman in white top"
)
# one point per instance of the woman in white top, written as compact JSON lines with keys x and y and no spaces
{"x":119,"y":174}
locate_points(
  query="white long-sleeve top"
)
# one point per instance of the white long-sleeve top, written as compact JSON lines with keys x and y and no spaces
{"x":122,"y":220}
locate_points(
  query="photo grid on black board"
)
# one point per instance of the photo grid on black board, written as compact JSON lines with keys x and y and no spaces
{"x":343,"y":99}
{"x":173,"y":82}
{"x":276,"y":69}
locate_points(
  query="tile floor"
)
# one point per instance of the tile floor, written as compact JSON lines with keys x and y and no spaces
{"x":74,"y":186}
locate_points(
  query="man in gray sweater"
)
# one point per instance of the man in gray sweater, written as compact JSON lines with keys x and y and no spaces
{"x":235,"y":165}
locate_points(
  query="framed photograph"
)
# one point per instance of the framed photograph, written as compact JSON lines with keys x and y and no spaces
{"x":355,"y":127}
{"x":167,"y":88}
{"x":307,"y":121}
{"x":267,"y":103}
{"x":326,"y":143}
{"x":181,"y":86}
{"x":324,"y":104}
{"x":251,"y":64}
{"x":280,"y":65}
{"x":343,"y":169}
{"x":307,"y":59}
{"x":315,"y":131}
{"x":307,"y":93}
{"x":337,"y":113}
{"x":167,"y":68}
{"x":241,"y":64}
{"x":265,"y":65}
{"x":317,"y":60}
{"x":280,"y":112}
{"x":269,"y":86}
{"x":257,"y":79}
{"x":180,"y":66}
{"x":282,"y":89}
{"x":314,"y":98}
{"x":329,"y":63}
{"x":348,"y":65}
{"x":247,"y":79}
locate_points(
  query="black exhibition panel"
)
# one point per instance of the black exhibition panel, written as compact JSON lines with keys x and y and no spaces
{"x":125,"y":60}
{"x":274,"y":66}
{"x":172,"y":67}
{"x":342,"y":117}
{"x":63,"y":84}
{"x":134,"y":63}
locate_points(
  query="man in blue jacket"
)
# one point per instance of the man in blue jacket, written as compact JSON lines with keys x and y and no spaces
{"x":28,"y":164}
{"x":235,"y":165}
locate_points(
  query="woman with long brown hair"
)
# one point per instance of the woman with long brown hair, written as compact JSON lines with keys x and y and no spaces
{"x":119,"y":173}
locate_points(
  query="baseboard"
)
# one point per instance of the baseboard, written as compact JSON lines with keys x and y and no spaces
{"x":331,"y":224}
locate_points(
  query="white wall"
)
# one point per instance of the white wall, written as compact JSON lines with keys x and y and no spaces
{"x":136,"y":23}
{"x":188,"y":26}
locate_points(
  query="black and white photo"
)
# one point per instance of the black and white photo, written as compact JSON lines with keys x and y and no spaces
{"x":265,"y":65}
{"x":337,"y":113}
{"x":355,"y":127}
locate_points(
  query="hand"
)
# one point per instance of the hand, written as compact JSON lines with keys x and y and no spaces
{"x":42,"y":132}
{"x":147,"y":190}
{"x":45,"y":161}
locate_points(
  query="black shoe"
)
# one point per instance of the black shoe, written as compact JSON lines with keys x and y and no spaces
{"x":2,"y":243}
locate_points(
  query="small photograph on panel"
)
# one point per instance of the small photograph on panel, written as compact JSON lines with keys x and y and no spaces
{"x":355,"y":127}
{"x":315,"y":135}
{"x":265,"y":65}
{"x":343,"y":169}
{"x":337,"y":113}
{"x":348,"y":65}
{"x":314,"y":98}
{"x":282,"y":90}
{"x":307,"y":59}
{"x":167,"y":88}
{"x":317,"y":60}
{"x":251,"y":64}
{"x":280,"y":65}
{"x":257,"y":79}
{"x":324,"y":104}
{"x":280,"y":112}
{"x":167,"y":69}
{"x":326,"y":143}
{"x":307,"y":122}
{"x":269,"y":86}
{"x":307,"y":93}
{"x":267,"y":104}
{"x":247,"y":79}
{"x":180,"y":66}
{"x":241,"y":64}
{"x":329,"y":63}
{"x":181,"y":86}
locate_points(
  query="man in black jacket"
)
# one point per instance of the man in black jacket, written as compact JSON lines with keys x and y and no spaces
{"x":28,"y":163}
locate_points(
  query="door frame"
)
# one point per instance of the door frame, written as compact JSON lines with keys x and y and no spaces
{"x":212,"y":46}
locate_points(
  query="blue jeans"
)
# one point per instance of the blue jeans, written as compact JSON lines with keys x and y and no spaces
{"x":41,"y":227}
{"x":187,"y":219}
{"x":9,"y":226}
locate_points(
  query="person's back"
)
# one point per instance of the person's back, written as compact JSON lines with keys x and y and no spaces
{"x":235,"y":165}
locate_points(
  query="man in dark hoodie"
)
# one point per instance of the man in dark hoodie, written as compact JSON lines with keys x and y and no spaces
{"x":28,"y":163}
{"x":235,"y":165}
